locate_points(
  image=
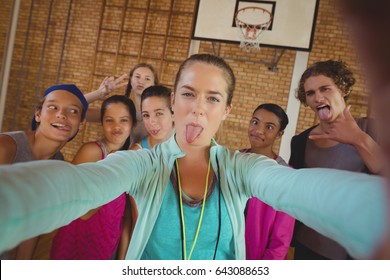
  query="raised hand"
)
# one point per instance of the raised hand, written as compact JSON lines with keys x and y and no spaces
{"x":109,"y":84}
{"x":345,"y":130}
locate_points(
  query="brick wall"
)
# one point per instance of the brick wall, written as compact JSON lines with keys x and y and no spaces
{"x":103,"y":42}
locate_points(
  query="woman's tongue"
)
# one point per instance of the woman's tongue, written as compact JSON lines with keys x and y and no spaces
{"x":324,"y":113}
{"x":192,"y":132}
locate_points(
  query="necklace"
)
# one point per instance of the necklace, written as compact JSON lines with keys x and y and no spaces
{"x":182,"y":212}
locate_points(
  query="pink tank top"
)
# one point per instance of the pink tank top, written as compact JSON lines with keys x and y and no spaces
{"x":96,"y":238}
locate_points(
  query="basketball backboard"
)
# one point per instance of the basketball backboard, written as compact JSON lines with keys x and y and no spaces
{"x":292,"y":26}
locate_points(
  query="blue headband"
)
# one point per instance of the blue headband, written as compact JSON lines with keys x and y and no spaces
{"x":69,"y":88}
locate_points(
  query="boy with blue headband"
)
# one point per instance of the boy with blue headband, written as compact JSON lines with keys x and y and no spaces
{"x":57,"y":119}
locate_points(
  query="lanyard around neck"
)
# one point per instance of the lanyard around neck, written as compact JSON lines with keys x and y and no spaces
{"x":182,"y":211}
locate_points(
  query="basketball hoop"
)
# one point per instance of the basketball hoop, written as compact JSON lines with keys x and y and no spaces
{"x":251,"y":22}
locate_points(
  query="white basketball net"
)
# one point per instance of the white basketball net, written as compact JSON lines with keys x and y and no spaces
{"x":251,"y":22}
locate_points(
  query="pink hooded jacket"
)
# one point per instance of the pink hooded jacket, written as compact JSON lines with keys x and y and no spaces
{"x":268,"y":233}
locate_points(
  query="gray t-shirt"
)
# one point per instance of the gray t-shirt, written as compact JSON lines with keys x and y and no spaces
{"x":23,"y":149}
{"x":341,"y":156}
{"x":23,"y":154}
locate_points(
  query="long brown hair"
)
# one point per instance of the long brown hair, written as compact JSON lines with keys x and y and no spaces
{"x":140,"y":65}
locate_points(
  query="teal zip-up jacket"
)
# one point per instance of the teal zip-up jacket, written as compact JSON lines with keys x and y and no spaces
{"x":41,"y":196}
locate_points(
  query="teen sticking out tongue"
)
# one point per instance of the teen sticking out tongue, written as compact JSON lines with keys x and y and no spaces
{"x":323,"y":112}
{"x":58,"y":117}
{"x":338,"y":141}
